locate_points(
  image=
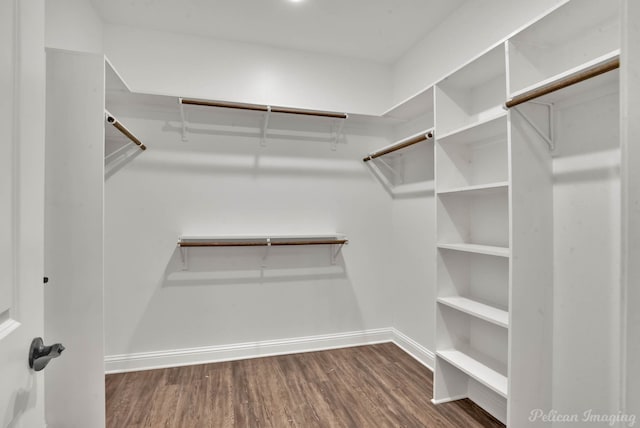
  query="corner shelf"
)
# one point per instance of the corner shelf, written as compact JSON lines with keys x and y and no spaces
{"x":486,"y":371}
{"x":477,"y":309}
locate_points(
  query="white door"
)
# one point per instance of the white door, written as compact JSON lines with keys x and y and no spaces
{"x":22,"y":81}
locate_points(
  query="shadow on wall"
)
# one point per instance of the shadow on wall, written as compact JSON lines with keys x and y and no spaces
{"x":237,"y":296}
{"x":254,"y":265}
{"x":22,"y":401}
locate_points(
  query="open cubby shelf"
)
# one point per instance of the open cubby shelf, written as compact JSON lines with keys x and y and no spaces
{"x":477,"y":367}
{"x":473,"y":157}
{"x":477,"y":309}
{"x":489,"y":250}
{"x":575,"y":34}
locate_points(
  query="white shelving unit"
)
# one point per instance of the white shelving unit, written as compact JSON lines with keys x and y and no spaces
{"x":472,"y":188}
{"x":494,"y":181}
{"x":576,"y":38}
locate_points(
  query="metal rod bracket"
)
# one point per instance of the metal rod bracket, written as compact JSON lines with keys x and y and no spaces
{"x":338,"y":126}
{"x":184,"y":121}
{"x":265,"y":126}
{"x":184,"y":257}
{"x":547,"y":138}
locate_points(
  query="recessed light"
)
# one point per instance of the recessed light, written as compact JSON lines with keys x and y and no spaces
{"x":296,"y":1}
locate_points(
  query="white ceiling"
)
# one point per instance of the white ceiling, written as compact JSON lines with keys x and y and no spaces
{"x":379,"y":30}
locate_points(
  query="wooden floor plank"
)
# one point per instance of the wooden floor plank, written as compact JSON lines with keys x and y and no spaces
{"x":367,"y":386}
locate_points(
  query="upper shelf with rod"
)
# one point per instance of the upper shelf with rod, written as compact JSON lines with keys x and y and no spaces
{"x":118,"y":147}
{"x":336,"y":240}
{"x":404,"y":175}
{"x":572,"y":77}
{"x":267,"y":110}
{"x":261,"y":241}
{"x":599,"y":74}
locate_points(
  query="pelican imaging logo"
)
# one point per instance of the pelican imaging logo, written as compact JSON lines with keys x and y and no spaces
{"x":586,"y":417}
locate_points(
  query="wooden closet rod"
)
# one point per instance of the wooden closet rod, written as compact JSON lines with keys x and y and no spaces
{"x":566,"y":81}
{"x":401,"y":145}
{"x":259,"y":107}
{"x":262,"y":243}
{"x":240,"y":106}
{"x":120,"y":127}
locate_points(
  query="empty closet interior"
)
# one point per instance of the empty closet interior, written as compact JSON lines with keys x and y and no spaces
{"x":476,"y":224}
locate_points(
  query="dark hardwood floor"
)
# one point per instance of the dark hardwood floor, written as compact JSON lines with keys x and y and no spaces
{"x":366,"y":386}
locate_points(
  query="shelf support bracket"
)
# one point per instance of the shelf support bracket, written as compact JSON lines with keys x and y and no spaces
{"x":266,"y":253}
{"x":547,"y":138}
{"x":184,"y":121}
{"x":390,"y":168}
{"x":337,"y":129}
{"x":265,"y":126}
{"x":335,"y":253}
{"x":184,"y":256}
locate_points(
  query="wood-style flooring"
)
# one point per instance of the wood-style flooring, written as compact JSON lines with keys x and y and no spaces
{"x":366,"y":386}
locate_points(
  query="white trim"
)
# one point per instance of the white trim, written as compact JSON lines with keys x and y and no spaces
{"x":413,"y":348}
{"x":211,"y":354}
{"x":448,"y":399}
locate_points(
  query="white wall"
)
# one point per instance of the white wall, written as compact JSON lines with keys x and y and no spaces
{"x":468,"y":31}
{"x":73,"y":25}
{"x":412,"y":271}
{"x":223,"y":183}
{"x":190,"y":66}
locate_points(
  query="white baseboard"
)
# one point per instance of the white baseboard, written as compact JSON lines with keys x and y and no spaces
{"x":448,"y":399}
{"x":413,"y":348}
{"x":212,"y":354}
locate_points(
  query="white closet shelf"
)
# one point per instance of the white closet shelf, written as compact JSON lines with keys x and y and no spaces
{"x":481,"y":129}
{"x":413,"y":188}
{"x":489,"y":250}
{"x":261,"y":240}
{"x":477,"y":309}
{"x":412,"y":107}
{"x":486,"y":371}
{"x":477,"y":189}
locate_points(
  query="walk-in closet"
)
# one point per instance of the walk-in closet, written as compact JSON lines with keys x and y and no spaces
{"x":268,"y":213}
